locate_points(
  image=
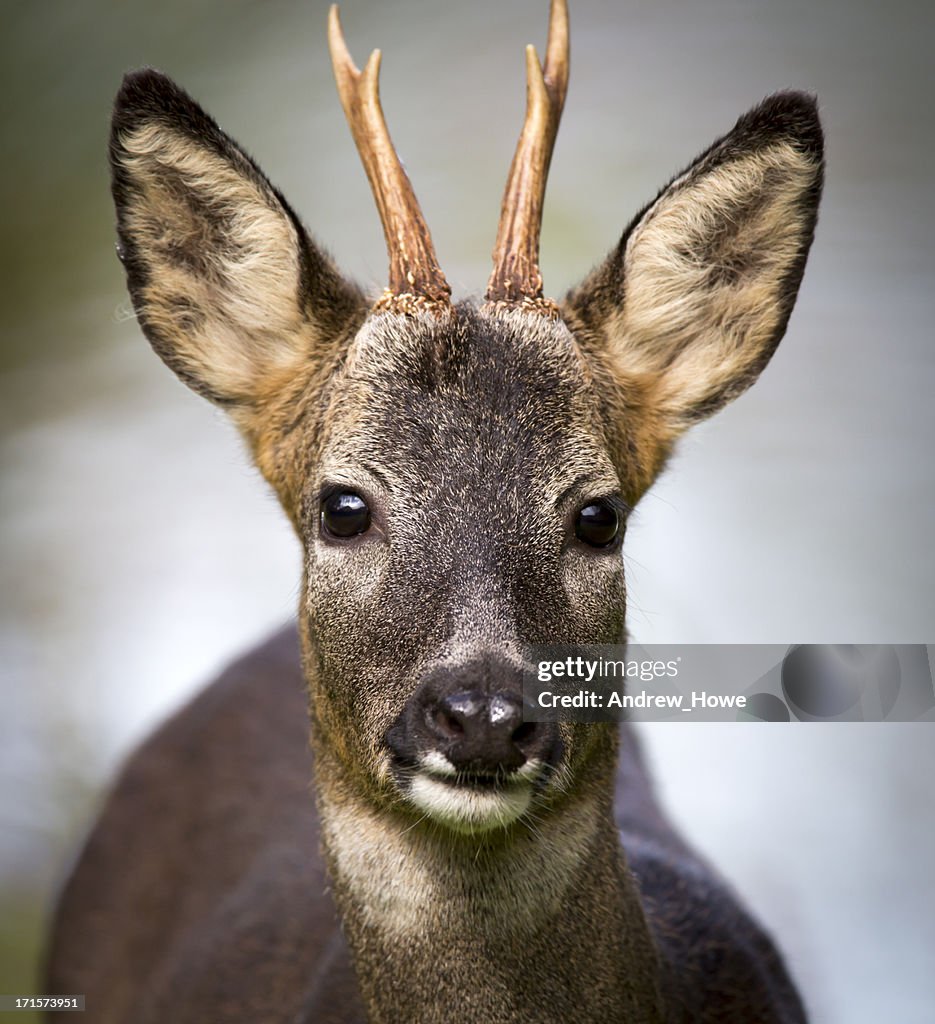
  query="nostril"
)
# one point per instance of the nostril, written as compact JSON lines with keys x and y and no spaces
{"x":446,"y":724}
{"x":524,"y":732}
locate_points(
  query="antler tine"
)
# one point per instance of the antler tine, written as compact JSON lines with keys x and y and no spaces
{"x":415,"y":280}
{"x":516,"y":279}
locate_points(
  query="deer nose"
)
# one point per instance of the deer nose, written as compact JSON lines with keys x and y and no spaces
{"x":481,"y":732}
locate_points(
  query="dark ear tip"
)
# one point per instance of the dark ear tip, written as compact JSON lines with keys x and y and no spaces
{"x":142,"y":89}
{"x":790,"y":114}
{"x":148,"y":93}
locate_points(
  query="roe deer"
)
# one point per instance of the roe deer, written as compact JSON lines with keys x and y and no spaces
{"x":460,"y":479}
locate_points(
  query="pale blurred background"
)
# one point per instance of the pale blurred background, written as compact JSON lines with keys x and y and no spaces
{"x":140,"y":552}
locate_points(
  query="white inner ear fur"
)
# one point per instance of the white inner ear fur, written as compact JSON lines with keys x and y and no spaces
{"x":703,"y":273}
{"x":222,"y":257}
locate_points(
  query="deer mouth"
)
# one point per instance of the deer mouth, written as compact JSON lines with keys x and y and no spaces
{"x":465,"y":756}
{"x":468,"y":802}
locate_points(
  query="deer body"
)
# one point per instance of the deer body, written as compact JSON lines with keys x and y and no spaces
{"x":460,"y":480}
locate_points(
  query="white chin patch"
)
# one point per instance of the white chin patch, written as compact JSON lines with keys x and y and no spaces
{"x":467,"y":809}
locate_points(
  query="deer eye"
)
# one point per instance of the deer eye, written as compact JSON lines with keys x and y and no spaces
{"x":598,"y":524}
{"x":345,"y":514}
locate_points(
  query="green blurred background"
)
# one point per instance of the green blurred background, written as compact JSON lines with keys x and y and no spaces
{"x":139,"y":551}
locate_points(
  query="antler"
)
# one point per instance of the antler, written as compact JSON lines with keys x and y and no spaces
{"x":516,"y":279}
{"x":416,"y":280}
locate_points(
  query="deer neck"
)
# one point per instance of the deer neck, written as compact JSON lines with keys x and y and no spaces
{"x":542,"y":925}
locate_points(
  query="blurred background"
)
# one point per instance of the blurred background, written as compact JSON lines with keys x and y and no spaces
{"x":140,"y":552}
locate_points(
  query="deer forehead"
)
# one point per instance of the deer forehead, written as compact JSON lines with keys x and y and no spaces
{"x":466,"y":403}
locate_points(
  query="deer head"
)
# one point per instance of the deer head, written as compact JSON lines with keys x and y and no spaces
{"x":459,"y":477}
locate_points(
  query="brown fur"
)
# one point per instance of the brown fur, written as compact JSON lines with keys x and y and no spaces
{"x":474,"y":437}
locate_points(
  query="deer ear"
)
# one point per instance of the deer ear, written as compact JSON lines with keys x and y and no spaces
{"x":693,"y":302}
{"x":228,"y":288}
